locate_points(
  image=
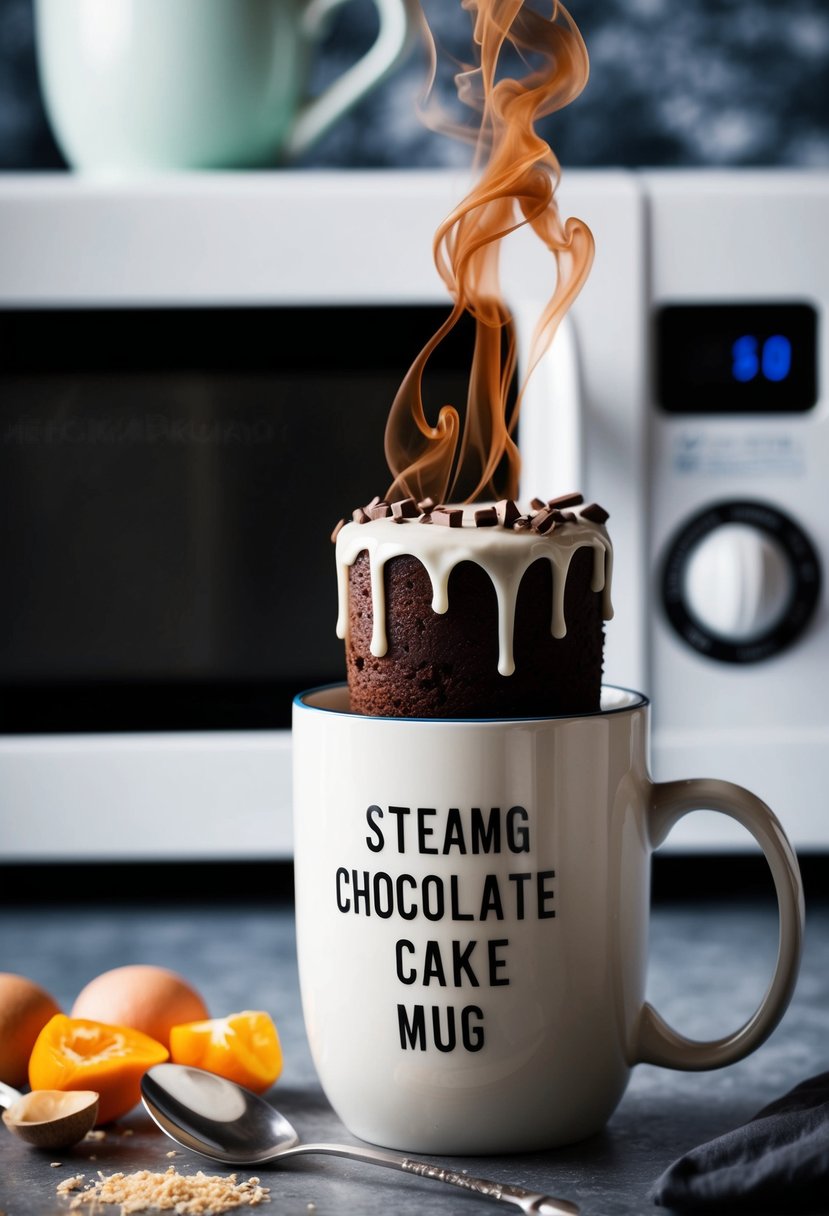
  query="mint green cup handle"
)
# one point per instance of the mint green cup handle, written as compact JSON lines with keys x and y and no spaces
{"x":398,"y":26}
{"x":659,"y":1043}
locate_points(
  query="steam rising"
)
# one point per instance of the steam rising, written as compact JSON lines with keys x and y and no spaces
{"x":454,"y":461}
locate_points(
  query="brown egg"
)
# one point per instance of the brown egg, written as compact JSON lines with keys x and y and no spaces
{"x":25,"y":1008}
{"x":146,"y":998}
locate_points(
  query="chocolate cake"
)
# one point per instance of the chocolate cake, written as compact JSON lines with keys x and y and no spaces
{"x":476,"y":612}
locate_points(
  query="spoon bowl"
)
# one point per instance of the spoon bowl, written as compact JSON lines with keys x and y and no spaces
{"x":215,"y":1117}
{"x":220,"y":1120}
{"x":50,"y":1118}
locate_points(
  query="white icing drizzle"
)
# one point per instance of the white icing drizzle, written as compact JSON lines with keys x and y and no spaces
{"x":504,"y":555}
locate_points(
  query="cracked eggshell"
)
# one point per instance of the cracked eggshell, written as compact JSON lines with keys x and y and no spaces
{"x":25,"y":1008}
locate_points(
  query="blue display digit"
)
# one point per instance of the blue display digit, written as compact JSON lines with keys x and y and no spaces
{"x":745,"y":361}
{"x":777,"y":358}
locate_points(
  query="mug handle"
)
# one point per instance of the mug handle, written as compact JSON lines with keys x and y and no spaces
{"x":659,"y":1043}
{"x":399,"y":19}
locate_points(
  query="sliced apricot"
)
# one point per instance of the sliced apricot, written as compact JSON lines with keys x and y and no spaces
{"x":76,"y":1053}
{"x":243,"y":1047}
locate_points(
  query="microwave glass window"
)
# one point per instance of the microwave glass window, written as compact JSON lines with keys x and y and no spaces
{"x":169,"y":480}
{"x":737,"y":358}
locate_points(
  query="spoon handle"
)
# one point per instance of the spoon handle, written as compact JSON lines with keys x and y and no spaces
{"x":529,"y":1201}
{"x":8,"y":1095}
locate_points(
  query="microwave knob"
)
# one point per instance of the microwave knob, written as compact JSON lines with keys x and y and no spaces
{"x":738,"y":582}
{"x":741,"y":581}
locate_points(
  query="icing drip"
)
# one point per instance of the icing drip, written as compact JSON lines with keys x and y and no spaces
{"x":504,"y":555}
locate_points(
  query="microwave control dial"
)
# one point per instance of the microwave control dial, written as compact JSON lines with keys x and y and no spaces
{"x":741,"y":581}
{"x":738,"y":582}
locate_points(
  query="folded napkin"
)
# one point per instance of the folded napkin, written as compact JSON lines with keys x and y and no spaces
{"x":777,"y":1162}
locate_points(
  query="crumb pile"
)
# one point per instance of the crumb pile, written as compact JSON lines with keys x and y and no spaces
{"x":194,"y":1195}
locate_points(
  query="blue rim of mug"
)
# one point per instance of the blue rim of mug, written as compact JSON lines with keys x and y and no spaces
{"x":640,"y":702}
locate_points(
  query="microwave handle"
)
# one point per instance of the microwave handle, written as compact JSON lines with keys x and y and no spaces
{"x":551,"y":424}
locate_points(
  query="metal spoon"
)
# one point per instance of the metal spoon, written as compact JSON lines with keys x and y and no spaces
{"x":49,"y":1118}
{"x":220,"y":1120}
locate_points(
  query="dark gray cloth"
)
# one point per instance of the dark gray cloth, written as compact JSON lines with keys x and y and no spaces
{"x":777,"y":1162}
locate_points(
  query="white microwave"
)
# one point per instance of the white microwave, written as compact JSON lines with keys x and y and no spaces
{"x":194,"y":377}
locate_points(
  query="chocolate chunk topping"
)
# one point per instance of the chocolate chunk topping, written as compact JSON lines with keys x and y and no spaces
{"x":566,"y":500}
{"x":507,"y":512}
{"x":543,"y":519}
{"x":543,"y":522}
{"x":486,"y":517}
{"x":595,"y":513}
{"x":449,"y":518}
{"x":380,"y":510}
{"x":406,"y":508}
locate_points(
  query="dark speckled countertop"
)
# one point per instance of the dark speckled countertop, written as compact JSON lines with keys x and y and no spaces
{"x":709,"y":966}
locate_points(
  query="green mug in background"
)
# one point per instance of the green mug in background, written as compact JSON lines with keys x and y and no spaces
{"x":133,"y":85}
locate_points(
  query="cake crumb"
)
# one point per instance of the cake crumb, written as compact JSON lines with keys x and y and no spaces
{"x":70,"y":1184}
{"x":56,"y":1164}
{"x":172,"y":1153}
{"x":95,"y":1135}
{"x":194,"y":1195}
{"x":127,"y":1131}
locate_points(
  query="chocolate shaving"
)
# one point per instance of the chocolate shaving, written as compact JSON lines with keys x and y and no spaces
{"x":537,"y":504}
{"x":543,"y":522}
{"x":360,"y":515}
{"x":566,"y":500}
{"x":404,"y":509}
{"x":595,"y":513}
{"x":427,"y":505}
{"x":486,"y":517}
{"x":507,"y":512}
{"x":374,"y":502}
{"x":338,"y":527}
{"x":449,"y":518}
{"x":570,"y":517}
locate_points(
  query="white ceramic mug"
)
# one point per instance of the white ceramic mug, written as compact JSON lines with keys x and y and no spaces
{"x":165,"y":84}
{"x":472,"y":903}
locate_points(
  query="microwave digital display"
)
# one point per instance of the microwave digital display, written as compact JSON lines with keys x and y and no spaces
{"x":169,"y":480}
{"x":737,"y":358}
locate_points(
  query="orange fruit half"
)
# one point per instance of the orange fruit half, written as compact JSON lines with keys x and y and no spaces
{"x":243,"y":1047}
{"x":75,"y":1053}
